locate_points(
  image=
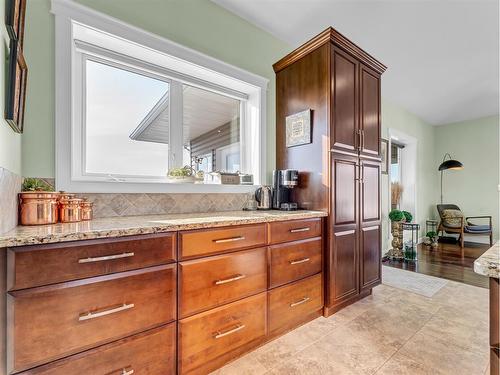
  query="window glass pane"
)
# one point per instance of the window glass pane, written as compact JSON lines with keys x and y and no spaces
{"x":127,"y":122}
{"x":211,"y":131}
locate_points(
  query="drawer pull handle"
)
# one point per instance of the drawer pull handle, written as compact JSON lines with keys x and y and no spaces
{"x":220,"y":334}
{"x":127,"y":372}
{"x":231,"y":279}
{"x":303,"y":300}
{"x":106,"y":257}
{"x":232,"y":239}
{"x":93,"y":315}
{"x":300,"y":261}
{"x":306,"y":229}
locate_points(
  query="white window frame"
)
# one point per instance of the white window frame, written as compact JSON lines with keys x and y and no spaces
{"x":69,"y":99}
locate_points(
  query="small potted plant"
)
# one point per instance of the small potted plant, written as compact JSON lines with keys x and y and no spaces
{"x":433,"y":238}
{"x":408,"y":216}
{"x":37,"y":203}
{"x":184,"y":175}
{"x":397,"y":217}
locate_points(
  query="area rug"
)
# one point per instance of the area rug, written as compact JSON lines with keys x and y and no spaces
{"x":412,"y":281}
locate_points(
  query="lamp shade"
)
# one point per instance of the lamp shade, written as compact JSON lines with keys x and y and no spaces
{"x":450,"y":164}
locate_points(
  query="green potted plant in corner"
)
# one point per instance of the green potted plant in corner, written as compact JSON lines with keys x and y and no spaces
{"x":396,"y":217}
{"x":433,"y":238}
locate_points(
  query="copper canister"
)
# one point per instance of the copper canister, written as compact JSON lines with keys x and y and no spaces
{"x":63,"y":196}
{"x":38,"y":208}
{"x":70,"y":210}
{"x":86,"y":208}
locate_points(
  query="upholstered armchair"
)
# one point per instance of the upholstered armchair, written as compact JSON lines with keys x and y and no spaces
{"x":454,"y":221}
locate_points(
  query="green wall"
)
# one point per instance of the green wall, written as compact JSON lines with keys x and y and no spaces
{"x":10,"y":142}
{"x":475,"y":143}
{"x":198,"y":24}
{"x":395,"y":117}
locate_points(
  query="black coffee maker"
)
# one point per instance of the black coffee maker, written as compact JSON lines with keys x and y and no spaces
{"x":284,"y":180}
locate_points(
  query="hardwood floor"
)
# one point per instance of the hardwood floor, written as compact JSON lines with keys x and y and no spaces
{"x":446,"y":262}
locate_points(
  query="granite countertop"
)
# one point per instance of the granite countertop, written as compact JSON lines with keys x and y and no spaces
{"x":488,"y":264}
{"x":132,"y":225}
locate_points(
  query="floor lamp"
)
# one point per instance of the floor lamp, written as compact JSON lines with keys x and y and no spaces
{"x":448,"y":164}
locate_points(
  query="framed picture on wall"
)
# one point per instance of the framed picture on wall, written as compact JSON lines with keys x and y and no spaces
{"x":14,"y":19}
{"x":16,"y":88}
{"x":384,"y":154}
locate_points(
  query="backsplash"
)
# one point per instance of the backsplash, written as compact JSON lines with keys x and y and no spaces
{"x":10,"y":186}
{"x":113,"y":205}
{"x":118,"y":204}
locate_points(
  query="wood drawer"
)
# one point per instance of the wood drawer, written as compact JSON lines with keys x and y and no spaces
{"x":37,"y":265}
{"x":209,"y":339}
{"x":293,"y":230}
{"x":294,"y":260}
{"x":289,"y":305}
{"x":149,"y":353}
{"x":213,"y":281}
{"x":51,"y":322}
{"x":209,"y":241}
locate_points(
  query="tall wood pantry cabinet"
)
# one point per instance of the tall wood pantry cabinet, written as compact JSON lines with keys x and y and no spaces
{"x":339,"y":171}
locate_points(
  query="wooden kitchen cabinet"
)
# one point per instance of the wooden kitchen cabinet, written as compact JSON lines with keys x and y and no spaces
{"x":339,"y":171}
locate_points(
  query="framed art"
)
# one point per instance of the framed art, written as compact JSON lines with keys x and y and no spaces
{"x":298,"y":128}
{"x":14,"y":19}
{"x":16,"y":88}
{"x":384,"y":154}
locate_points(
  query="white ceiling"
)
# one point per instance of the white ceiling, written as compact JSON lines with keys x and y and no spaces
{"x":442,"y":55}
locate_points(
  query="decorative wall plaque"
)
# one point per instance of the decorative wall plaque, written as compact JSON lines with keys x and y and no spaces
{"x":298,"y":128}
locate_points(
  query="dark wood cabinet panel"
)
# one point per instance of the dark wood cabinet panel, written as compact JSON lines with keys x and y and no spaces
{"x":344,"y":279}
{"x":370,"y":191}
{"x":149,"y":353}
{"x":345,"y":190}
{"x":344,"y":86}
{"x":209,"y":282}
{"x":37,"y":265}
{"x":370,"y":116}
{"x":306,"y":85}
{"x":370,"y":256}
{"x":51,"y":322}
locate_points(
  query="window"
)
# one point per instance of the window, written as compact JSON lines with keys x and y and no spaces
{"x":117,"y":101}
{"x":141,"y":105}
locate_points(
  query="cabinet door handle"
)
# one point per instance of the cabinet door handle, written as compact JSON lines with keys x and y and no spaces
{"x":362,"y":139}
{"x":93,"y":315}
{"x":106,"y":257}
{"x":300,"y":230}
{"x":220,"y":334}
{"x":231,"y":279}
{"x":298,"y":261}
{"x":232,"y":239}
{"x":303,"y":300}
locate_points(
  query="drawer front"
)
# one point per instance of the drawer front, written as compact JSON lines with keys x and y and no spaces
{"x":210,"y":241}
{"x":294,"y":260}
{"x":293,"y":230}
{"x":53,"y":263}
{"x":205,"y":337}
{"x":213,"y":281}
{"x":150,"y":353}
{"x":291,"y":304}
{"x":51,"y":322}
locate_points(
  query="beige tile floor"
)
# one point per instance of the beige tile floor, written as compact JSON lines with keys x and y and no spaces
{"x":393,"y":331}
